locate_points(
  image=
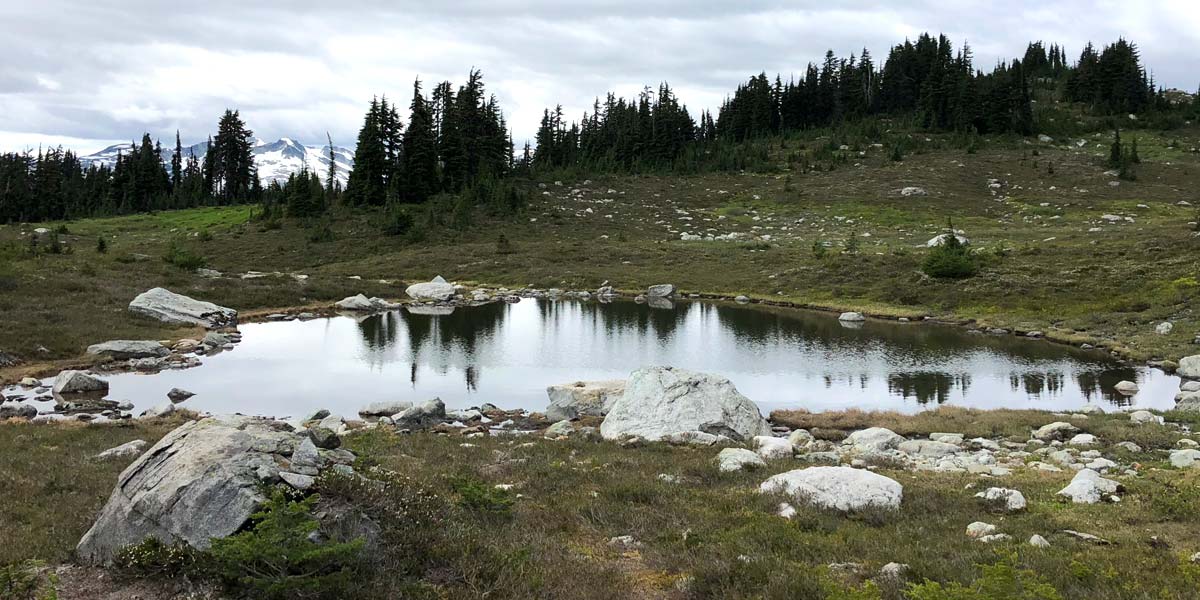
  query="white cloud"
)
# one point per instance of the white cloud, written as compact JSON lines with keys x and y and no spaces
{"x":104,"y":69}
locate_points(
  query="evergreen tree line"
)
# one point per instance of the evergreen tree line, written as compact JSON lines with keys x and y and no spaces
{"x":454,"y":140}
{"x":928,"y":81}
{"x":54,"y":184}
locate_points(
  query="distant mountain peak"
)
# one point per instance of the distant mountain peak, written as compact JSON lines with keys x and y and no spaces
{"x":276,"y":160}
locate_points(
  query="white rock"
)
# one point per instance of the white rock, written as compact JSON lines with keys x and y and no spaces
{"x":591,"y":398}
{"x":772,"y":448}
{"x":1088,"y":487}
{"x":938,"y":240}
{"x":1013,"y":500}
{"x":1164,"y":328}
{"x":435,"y":290}
{"x":1083,"y":439}
{"x":385,"y":408}
{"x":928,"y":448}
{"x":947,"y":438}
{"x":840,"y":488}
{"x":995,"y":537}
{"x":167,"y":306}
{"x":1038,"y":541}
{"x":1189,"y":366}
{"x":801,"y":438}
{"x":1144,"y":416}
{"x":1126,"y":387}
{"x":873,"y":439}
{"x":736,"y":459}
{"x":913,"y":191}
{"x":979,"y":529}
{"x":355,"y":303}
{"x":660,"y":401}
{"x":133,"y":448}
{"x":160,"y":410}
{"x":1182,"y":459}
{"x":662,"y":290}
{"x":852,"y":317}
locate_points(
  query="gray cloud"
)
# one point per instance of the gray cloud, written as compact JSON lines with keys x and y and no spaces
{"x":95,"y":71}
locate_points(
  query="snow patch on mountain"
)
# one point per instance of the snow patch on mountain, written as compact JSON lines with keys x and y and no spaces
{"x":275,"y":160}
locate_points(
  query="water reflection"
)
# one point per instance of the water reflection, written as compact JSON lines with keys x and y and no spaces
{"x":507,"y":354}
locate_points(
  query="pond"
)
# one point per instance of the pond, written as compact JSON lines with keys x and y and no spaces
{"x":507,"y":354}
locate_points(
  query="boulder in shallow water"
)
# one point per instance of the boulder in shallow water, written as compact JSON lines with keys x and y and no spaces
{"x":78,"y":382}
{"x":127,"y":349}
{"x":852,"y":317}
{"x":437,"y":290}
{"x":583,"y":398}
{"x":662,"y":290}
{"x":662,"y":402}
{"x":355,"y":303}
{"x":169,"y":307}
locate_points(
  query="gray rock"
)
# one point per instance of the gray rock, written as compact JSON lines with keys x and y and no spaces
{"x":1059,"y":430}
{"x":437,"y":290}
{"x":1190,"y":386}
{"x":559,"y":429}
{"x":661,"y":401}
{"x":167,"y":306}
{"x":305,"y":459}
{"x":927,"y":448}
{"x":736,"y":459}
{"x":386,"y":408}
{"x":14,"y":410}
{"x":1130,"y":446}
{"x":161,"y":409}
{"x":127,"y":349}
{"x":1012,"y":499}
{"x":772,"y":448}
{"x":426,"y":414}
{"x":839,"y":488}
{"x":133,"y":448}
{"x":358,"y":303}
{"x":591,"y":398}
{"x":178,"y":395}
{"x":78,"y":382}
{"x":324,"y":438}
{"x":1038,"y":541}
{"x":662,"y":290}
{"x":199,"y":482}
{"x":297,"y":481}
{"x":938,"y":240}
{"x":852,"y":317}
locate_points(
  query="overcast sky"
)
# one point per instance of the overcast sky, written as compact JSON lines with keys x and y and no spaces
{"x":85,"y":74}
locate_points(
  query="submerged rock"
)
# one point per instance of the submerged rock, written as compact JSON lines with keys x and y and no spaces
{"x":167,"y":306}
{"x":663,"y":401}
{"x":590,"y":398}
{"x":840,"y":488}
{"x":127,"y":349}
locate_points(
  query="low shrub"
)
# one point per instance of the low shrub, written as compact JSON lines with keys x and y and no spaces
{"x":950,"y":259}
{"x":178,"y":255}
{"x":276,"y":558}
{"x":480,"y":497}
{"x":1003,"y":580}
{"x":23,"y":581}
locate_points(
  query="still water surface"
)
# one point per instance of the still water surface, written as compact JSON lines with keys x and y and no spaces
{"x":507,"y":354}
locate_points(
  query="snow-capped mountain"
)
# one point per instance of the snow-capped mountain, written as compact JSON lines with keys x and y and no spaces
{"x":275,"y":160}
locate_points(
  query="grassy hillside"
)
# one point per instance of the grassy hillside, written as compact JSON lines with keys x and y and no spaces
{"x":1035,"y":211}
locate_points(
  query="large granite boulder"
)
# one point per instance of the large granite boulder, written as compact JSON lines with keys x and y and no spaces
{"x":167,"y":306}
{"x":202,"y":481}
{"x":78,"y":382}
{"x":839,"y":488}
{"x":437,"y":290}
{"x":661,"y":290}
{"x":583,"y":398}
{"x":663,"y":402}
{"x":1189,"y":366}
{"x":126,"y":349}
